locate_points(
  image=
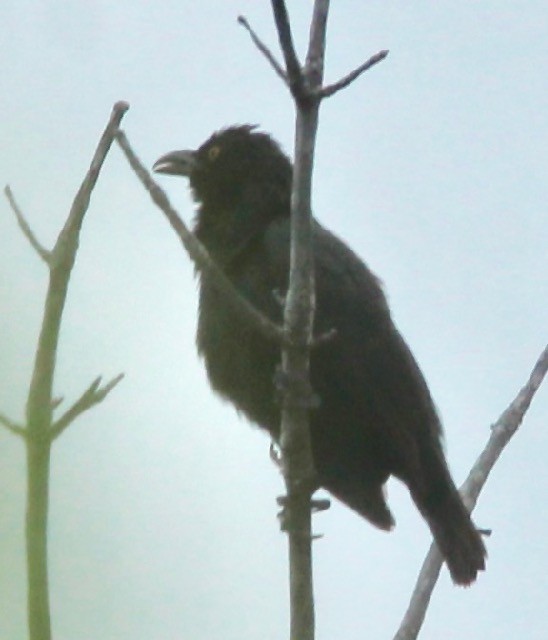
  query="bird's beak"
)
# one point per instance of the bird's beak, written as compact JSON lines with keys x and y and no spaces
{"x":176,"y":163}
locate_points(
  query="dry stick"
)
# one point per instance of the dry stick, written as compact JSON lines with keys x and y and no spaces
{"x":501,"y":432}
{"x":263,"y":48}
{"x":25,"y":228}
{"x":12,"y":426}
{"x":196,"y":250}
{"x":329,"y":90}
{"x":40,"y":400}
{"x":92,"y":395}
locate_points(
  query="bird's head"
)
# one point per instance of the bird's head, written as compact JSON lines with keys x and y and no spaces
{"x":230,"y":165}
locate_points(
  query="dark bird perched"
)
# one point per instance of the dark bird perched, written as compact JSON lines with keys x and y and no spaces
{"x":376,"y":417}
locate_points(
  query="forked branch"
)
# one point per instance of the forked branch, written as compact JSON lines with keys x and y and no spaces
{"x":93,"y":395}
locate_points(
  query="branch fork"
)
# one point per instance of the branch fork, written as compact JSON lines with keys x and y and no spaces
{"x":303,"y":80}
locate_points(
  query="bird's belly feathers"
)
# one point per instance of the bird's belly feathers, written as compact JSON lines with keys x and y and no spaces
{"x":240,"y":363}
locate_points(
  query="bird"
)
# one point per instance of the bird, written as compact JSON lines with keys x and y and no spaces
{"x":375,"y":416}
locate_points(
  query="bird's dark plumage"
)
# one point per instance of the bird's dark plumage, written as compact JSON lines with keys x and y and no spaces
{"x":376,"y":417}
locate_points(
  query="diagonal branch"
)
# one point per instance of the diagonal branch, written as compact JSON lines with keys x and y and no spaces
{"x":25,"y":227}
{"x":292,"y":64}
{"x":12,"y":426}
{"x":92,"y":395}
{"x":501,"y":432}
{"x":330,"y":89}
{"x":263,"y":48}
{"x":195,"y":249}
{"x":67,"y":242}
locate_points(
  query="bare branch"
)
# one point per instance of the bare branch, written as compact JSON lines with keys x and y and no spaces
{"x":293,"y":66}
{"x":92,"y":395}
{"x":39,"y":403}
{"x":67,"y":242}
{"x":325,"y":92}
{"x":263,"y":49}
{"x":501,"y":432}
{"x":25,"y":227}
{"x":12,"y":426}
{"x":300,"y":301}
{"x":195,"y":249}
{"x":316,"y":44}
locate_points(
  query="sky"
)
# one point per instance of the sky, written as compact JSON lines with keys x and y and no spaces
{"x":432,"y":167}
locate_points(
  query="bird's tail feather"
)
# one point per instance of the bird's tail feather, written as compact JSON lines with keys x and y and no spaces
{"x":458,"y":540}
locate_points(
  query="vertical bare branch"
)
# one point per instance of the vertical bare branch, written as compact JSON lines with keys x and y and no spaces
{"x":298,"y":465}
{"x":40,"y":401}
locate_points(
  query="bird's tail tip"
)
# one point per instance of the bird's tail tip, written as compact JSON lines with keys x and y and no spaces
{"x":458,"y":540}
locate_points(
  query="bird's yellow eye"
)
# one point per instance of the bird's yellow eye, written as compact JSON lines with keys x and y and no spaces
{"x":213,"y":153}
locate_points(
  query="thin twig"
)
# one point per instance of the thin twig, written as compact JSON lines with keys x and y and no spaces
{"x":25,"y":227}
{"x":502,"y":431}
{"x":12,"y":426}
{"x":92,"y":395}
{"x":263,"y":49}
{"x":293,"y":66}
{"x":330,"y":89}
{"x":195,"y":249}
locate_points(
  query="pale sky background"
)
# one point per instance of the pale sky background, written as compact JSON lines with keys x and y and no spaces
{"x":433,"y":167}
